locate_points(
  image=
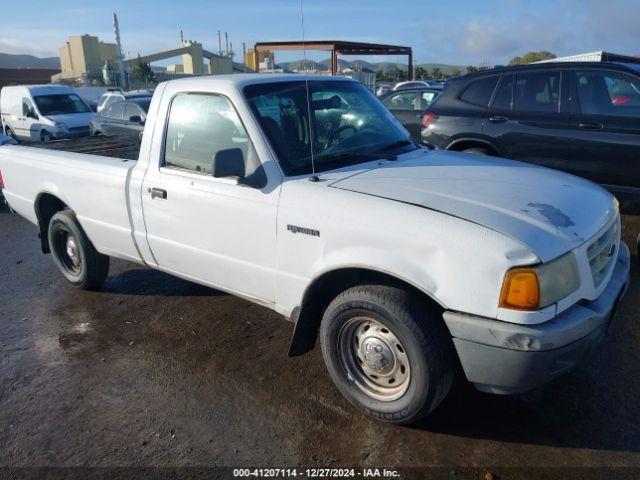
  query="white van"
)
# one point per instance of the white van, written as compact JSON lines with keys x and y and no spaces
{"x":43,"y":112}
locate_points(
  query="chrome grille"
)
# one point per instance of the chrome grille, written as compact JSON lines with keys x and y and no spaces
{"x":602,"y":252}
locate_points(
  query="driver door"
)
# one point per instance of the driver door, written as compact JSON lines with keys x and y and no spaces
{"x":209,"y":229}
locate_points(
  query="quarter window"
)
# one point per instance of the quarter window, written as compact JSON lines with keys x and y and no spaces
{"x":537,"y":92}
{"x":427,"y":98}
{"x":479,"y":92}
{"x":608,"y":93}
{"x":199,"y":127}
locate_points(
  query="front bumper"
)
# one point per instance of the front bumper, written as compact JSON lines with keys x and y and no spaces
{"x":507,"y":358}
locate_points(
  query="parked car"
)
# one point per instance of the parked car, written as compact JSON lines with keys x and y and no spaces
{"x":408,"y":104}
{"x":582,"y":118}
{"x":113,"y":96}
{"x":419,"y":83}
{"x":43,"y":112}
{"x":122,"y":118}
{"x":383,"y":90}
{"x":508,"y":270}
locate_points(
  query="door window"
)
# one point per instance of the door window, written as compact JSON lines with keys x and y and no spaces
{"x":608,"y":93}
{"x":131,"y":110}
{"x":504,"y":95}
{"x":537,"y":92}
{"x":116,"y":110}
{"x":479,"y":92}
{"x":403,"y":101}
{"x":200,"y":126}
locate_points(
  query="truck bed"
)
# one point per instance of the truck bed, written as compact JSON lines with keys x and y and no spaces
{"x":121,"y":146}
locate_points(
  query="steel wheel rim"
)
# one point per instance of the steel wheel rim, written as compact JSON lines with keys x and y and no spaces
{"x":66,"y":246}
{"x":374,"y":358}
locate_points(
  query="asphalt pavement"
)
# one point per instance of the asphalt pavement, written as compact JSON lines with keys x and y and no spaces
{"x":155,"y":371}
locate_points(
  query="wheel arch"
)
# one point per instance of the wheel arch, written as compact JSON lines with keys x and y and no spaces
{"x":46,"y":206}
{"x":470,"y":142}
{"x":326,"y":287}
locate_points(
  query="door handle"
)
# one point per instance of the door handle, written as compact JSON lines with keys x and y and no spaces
{"x":158,"y":193}
{"x":590,"y":125}
{"x":498,"y":119}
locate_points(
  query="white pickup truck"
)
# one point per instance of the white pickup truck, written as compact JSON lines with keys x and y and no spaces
{"x":410,"y":264}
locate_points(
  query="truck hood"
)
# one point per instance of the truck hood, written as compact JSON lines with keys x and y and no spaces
{"x":549,"y":211}
{"x":72,"y":120}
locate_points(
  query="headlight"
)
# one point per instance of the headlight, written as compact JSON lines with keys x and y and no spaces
{"x":533,"y":288}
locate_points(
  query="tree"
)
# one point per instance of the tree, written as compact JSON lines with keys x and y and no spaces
{"x":471,"y":69}
{"x":437,"y":73}
{"x":456,"y":72}
{"x":531,"y":57}
{"x":141,"y":72}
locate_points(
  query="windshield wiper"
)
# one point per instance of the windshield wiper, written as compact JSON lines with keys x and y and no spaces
{"x":399,"y":143}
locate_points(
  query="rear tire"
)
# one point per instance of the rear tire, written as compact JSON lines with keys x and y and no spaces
{"x":74,"y":254}
{"x":478,"y":151}
{"x":387,"y":352}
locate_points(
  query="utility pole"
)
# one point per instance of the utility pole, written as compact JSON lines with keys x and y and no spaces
{"x":244,"y":54}
{"x":219,"y":44}
{"x":226,"y":42}
{"x":116,"y":29}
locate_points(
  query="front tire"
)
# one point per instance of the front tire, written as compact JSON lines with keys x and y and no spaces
{"x":74,"y":254}
{"x":46,"y":136}
{"x":387,"y":352}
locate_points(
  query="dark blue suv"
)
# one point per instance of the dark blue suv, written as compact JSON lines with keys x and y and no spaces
{"x":580,"y":117}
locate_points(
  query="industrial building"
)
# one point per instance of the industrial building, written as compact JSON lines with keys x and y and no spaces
{"x":259,"y":61}
{"x":84,"y":58}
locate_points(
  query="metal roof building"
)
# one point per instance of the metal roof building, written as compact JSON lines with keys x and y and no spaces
{"x":600,"y":56}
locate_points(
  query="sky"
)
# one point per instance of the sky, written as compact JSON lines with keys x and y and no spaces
{"x":456,"y":32}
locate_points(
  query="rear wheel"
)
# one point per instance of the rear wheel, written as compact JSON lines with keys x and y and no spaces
{"x":10,"y":133}
{"x":74,"y":254}
{"x":387,"y":352}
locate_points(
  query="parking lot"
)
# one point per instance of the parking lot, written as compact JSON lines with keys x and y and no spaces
{"x":157,"y":371}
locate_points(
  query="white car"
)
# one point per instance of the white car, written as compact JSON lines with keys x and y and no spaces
{"x":418,"y":83}
{"x":406,"y":262}
{"x":43,"y":112}
{"x":113,"y":96}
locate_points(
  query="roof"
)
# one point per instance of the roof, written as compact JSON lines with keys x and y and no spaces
{"x":245,"y":79}
{"x":44,"y":89}
{"x":547,"y":65}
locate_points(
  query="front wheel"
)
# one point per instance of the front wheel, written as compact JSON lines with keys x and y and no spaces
{"x":387,"y":352}
{"x":74,"y":254}
{"x":46,"y":136}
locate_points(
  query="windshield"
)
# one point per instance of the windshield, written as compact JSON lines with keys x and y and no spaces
{"x":348,"y":124}
{"x":60,"y":104}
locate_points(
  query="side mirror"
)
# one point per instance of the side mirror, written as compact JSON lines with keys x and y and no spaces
{"x":228,"y":163}
{"x":135,"y":119}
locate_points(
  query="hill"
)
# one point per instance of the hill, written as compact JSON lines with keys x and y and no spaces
{"x":8,"y":60}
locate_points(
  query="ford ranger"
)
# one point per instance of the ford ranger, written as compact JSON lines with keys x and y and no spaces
{"x":305,"y":195}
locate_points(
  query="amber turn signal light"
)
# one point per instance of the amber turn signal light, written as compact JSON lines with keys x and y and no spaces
{"x":520,"y":290}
